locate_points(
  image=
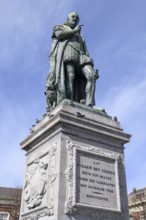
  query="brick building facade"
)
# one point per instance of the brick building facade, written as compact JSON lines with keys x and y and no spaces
{"x":137,"y":204}
{"x":10,"y":199}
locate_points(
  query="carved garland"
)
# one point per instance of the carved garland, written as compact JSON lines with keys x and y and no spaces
{"x":69,"y":178}
{"x":52,"y":177}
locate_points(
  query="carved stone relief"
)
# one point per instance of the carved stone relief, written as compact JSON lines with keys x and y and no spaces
{"x":35,"y":184}
{"x":40,"y":185}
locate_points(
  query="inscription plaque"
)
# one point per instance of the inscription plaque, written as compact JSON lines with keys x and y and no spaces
{"x":96,"y":182}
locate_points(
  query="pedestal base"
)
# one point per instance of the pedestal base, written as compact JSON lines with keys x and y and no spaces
{"x":75,"y":166}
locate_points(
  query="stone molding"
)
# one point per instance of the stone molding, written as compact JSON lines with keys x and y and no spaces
{"x":44,"y":211}
{"x":94,"y":121}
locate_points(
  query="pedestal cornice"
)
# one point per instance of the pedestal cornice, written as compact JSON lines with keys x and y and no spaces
{"x":79,"y":116}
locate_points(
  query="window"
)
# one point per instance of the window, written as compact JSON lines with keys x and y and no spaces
{"x":4,"y":216}
{"x":142,"y":217}
{"x":140,"y":196}
{"x":130,"y":217}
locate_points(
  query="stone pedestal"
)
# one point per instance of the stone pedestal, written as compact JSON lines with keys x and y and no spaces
{"x":75,"y":167}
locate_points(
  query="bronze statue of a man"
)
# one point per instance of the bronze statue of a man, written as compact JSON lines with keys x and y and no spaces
{"x":71,"y":73}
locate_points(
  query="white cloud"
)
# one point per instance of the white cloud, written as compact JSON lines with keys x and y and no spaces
{"x":24,"y":24}
{"x":16,"y":119}
{"x":128,"y":99}
{"x":128,"y":103}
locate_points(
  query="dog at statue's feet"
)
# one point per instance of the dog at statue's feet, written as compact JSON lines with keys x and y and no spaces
{"x":51,"y":93}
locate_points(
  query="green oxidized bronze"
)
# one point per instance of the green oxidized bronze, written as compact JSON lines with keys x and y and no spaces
{"x":71,"y":75}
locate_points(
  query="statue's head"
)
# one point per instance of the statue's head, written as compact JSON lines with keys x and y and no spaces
{"x":73,"y":19}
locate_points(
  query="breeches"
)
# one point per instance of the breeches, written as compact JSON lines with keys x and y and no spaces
{"x":72,"y":55}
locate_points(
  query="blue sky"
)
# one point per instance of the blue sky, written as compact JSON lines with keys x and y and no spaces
{"x":115,"y":33}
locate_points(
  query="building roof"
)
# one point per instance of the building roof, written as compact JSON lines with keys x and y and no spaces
{"x":8,"y":192}
{"x":9,"y":195}
{"x":137,"y":196}
{"x":137,"y":190}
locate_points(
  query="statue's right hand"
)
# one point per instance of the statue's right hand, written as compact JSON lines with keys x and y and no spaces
{"x":77,"y":29}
